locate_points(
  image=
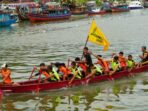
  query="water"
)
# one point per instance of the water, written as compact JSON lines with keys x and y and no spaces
{"x":25,"y":45}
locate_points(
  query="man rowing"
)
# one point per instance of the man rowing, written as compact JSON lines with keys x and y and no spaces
{"x":62,"y":69}
{"x":54,"y":76}
{"x":103,"y":63}
{"x":43,"y":71}
{"x":75,"y":71}
{"x":5,"y":72}
{"x":144,"y":56}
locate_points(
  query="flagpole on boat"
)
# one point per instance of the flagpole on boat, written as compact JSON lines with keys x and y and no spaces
{"x":85,"y":46}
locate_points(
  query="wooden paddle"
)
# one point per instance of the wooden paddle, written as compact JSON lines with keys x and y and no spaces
{"x":32,"y":73}
{"x":144,"y":62}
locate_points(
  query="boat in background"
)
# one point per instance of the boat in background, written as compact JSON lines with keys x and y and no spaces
{"x":6,"y":19}
{"x":35,"y":86}
{"x":94,"y":10}
{"x":78,"y":11}
{"x":146,"y":4}
{"x":136,"y":4}
{"x":98,"y":11}
{"x":120,"y":8}
{"x":50,"y":15}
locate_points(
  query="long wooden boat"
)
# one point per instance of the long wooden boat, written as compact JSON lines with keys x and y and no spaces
{"x":120,"y":8}
{"x":52,"y":15}
{"x":31,"y":86}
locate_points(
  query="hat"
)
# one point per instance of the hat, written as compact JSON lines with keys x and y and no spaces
{"x":4,"y":65}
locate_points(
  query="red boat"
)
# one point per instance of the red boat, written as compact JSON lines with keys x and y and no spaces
{"x":50,"y":15}
{"x":31,"y":86}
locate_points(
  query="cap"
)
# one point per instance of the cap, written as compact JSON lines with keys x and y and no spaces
{"x":4,"y":65}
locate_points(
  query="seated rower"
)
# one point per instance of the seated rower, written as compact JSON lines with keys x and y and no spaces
{"x":6,"y":73}
{"x":95,"y":71}
{"x":82,"y":65}
{"x":54,"y":76}
{"x":104,"y":64}
{"x":115,"y":67}
{"x":144,"y":56}
{"x":43,"y":71}
{"x":64,"y":70}
{"x":130,"y":62}
{"x":76,"y":72}
{"x":122,"y":61}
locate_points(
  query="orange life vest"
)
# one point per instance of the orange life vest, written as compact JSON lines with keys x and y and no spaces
{"x":103,"y":64}
{"x":64,"y":70}
{"x":44,"y":73}
{"x":83,"y":66}
{"x":6,"y":76}
{"x":122,"y":61}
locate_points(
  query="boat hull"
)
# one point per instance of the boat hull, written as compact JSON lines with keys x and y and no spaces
{"x":44,"y":18}
{"x":134,"y":8}
{"x":146,"y":5}
{"x":102,"y":12}
{"x":31,"y":86}
{"x":7,"y":23}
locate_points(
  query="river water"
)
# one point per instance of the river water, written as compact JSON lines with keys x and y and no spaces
{"x":25,"y":44}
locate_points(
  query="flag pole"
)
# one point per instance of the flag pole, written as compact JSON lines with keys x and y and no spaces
{"x":85,"y":46}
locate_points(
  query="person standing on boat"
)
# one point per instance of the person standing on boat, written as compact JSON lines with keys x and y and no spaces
{"x":88,"y":60}
{"x":6,"y":73}
{"x":144,"y":56}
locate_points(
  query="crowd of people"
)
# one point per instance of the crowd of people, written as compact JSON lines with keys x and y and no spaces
{"x":82,"y":67}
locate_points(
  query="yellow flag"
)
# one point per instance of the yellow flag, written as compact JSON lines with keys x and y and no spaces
{"x":95,"y":35}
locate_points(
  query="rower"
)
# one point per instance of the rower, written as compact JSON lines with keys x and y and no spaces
{"x":102,"y":63}
{"x":43,"y":70}
{"x":81,"y":65}
{"x":76,"y":72}
{"x":53,"y":73}
{"x":122,"y":61}
{"x":130,"y":62}
{"x":115,"y":67}
{"x":64,"y":70}
{"x":95,"y":71}
{"x":5,"y":73}
{"x":144,"y":56}
{"x":88,"y":60}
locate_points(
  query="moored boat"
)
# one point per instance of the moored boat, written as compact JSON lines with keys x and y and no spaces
{"x":146,"y":4}
{"x":30,"y":86}
{"x":6,"y":19}
{"x":136,"y":4}
{"x":120,"y":8}
{"x":98,"y":12}
{"x":50,"y":15}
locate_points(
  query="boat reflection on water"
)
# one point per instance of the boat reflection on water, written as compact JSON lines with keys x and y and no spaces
{"x":92,"y":97}
{"x":3,"y":29}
